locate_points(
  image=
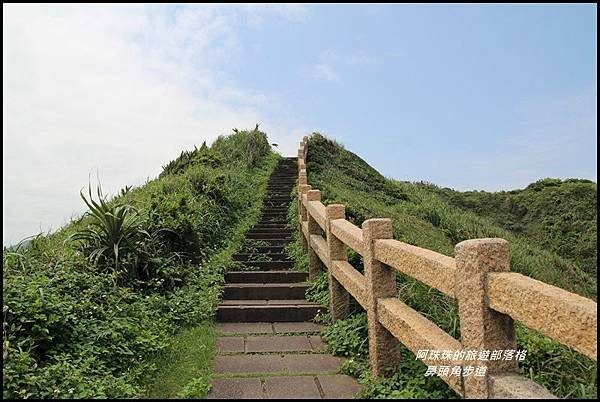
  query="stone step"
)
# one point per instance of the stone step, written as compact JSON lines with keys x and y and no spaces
{"x":275,"y":242}
{"x":269,"y":344}
{"x":276,"y":214}
{"x":299,"y":363}
{"x":245,"y":328}
{"x":256,"y":256}
{"x":276,"y":204}
{"x":267,"y":311}
{"x":268,"y":235}
{"x":270,"y":230}
{"x":272,"y":222}
{"x":269,"y":226}
{"x":269,"y":265}
{"x":281,"y":230}
{"x":274,"y":276}
{"x":264,"y":291}
{"x":281,"y":194}
{"x":266,"y":249}
{"x":305,"y":387}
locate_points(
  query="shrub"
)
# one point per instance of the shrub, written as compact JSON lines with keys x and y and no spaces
{"x":71,"y":331}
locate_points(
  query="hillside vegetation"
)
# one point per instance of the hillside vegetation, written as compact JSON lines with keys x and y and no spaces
{"x":89,"y":311}
{"x":557,"y":215}
{"x":429,"y":217}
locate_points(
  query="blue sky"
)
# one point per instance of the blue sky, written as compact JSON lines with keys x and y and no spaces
{"x":464,"y":96}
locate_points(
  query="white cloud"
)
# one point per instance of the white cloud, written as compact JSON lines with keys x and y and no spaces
{"x":325,"y":72}
{"x":116,"y":89}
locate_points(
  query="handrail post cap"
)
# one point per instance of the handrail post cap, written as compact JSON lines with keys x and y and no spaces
{"x":335,"y":211}
{"x":483,"y":243}
{"x":313,"y":195}
{"x":376,"y":222}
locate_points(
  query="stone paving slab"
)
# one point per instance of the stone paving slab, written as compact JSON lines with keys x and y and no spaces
{"x":292,"y":388}
{"x":249,"y":364}
{"x":316,"y":342}
{"x":312,"y":363}
{"x":230,"y":344}
{"x":236,"y":388}
{"x":245,"y":327}
{"x":295,"y":387}
{"x":297,"y":327}
{"x":338,"y":386}
{"x":276,"y":363}
{"x":277,"y":344}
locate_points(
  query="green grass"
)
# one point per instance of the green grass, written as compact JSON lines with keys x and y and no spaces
{"x":186,"y":362}
{"x":423,"y":217}
{"x":559,"y":215}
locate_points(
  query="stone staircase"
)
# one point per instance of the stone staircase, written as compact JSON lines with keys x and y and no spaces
{"x":266,"y":291}
{"x":269,"y":347}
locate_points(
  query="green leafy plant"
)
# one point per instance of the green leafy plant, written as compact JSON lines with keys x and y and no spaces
{"x":114,"y":233}
{"x":197,"y":388}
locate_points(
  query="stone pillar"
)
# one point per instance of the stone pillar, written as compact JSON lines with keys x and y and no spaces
{"x":384,"y":348}
{"x":339,"y":297}
{"x":302,"y":214}
{"x":482,"y":328}
{"x":301,"y":165}
{"x":315,"y":265}
{"x":302,"y":178}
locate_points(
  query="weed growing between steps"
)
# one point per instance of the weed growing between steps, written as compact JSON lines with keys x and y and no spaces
{"x":422,"y":218}
{"x":71,"y":331}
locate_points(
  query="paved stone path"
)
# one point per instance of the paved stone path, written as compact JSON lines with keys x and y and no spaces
{"x":268,"y":347}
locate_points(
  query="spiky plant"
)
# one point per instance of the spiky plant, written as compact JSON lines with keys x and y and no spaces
{"x":115,"y":231}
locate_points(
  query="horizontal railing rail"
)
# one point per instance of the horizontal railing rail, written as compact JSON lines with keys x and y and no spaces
{"x":489,"y":297}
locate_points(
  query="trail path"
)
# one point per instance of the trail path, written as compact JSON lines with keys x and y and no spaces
{"x":268,"y":347}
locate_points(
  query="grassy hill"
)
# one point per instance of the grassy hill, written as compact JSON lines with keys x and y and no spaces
{"x":90,"y":311}
{"x":437,"y":219}
{"x":557,"y":215}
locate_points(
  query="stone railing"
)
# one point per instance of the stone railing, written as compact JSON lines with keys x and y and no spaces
{"x":489,"y":296}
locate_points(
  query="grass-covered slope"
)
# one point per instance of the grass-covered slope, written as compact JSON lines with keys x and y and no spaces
{"x":423,"y":217}
{"x":88,"y":311}
{"x":557,"y":215}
